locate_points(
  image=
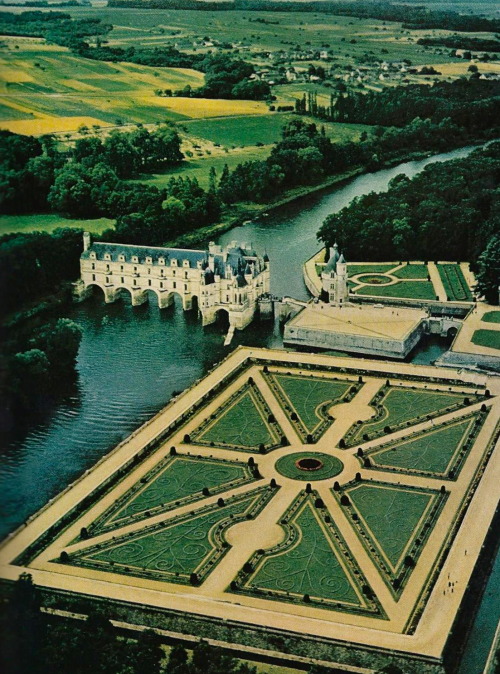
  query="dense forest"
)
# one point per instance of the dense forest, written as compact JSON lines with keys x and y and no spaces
{"x":450,"y":211}
{"x":471,"y":104}
{"x":461,"y":42}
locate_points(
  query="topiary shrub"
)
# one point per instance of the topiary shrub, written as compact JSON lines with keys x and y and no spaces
{"x":187,"y":439}
{"x":344,"y":500}
{"x":336,"y":486}
{"x":173,"y":451}
{"x":220,"y":502}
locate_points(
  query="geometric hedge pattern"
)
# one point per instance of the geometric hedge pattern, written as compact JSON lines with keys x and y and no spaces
{"x":173,"y":482}
{"x":312,"y":564}
{"x":401,"y":407}
{"x":307,"y":400}
{"x":171,"y":523}
{"x":393,"y":522}
{"x":244,"y":422}
{"x":439,"y":452}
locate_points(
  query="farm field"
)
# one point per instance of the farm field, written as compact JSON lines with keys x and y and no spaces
{"x":308,"y":534}
{"x":48,"y":222}
{"x":350,"y":38}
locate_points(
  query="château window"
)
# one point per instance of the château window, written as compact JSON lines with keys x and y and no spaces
{"x":135,"y":258}
{"x":107,"y":279}
{"x":185,"y":274}
{"x":135,"y":268}
{"x":107,"y":256}
{"x":135,"y":281}
{"x":123,"y":280}
{"x":121,"y":258}
{"x":174,"y":262}
{"x":121,"y":267}
{"x":174,"y":284}
{"x":107,"y":267}
{"x":161,"y":260}
{"x":161,"y":284}
{"x":149,"y":260}
{"x":93,"y":265}
{"x":149,"y":282}
{"x":92,"y":256}
{"x":93,"y":277}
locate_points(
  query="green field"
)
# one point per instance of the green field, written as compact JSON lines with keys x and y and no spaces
{"x":399,"y":406}
{"x":240,"y":424}
{"x":416,"y":290}
{"x":391,"y":517}
{"x":331,"y":466}
{"x":412,"y":271}
{"x":175,"y":549}
{"x":174,"y":481}
{"x":48,"y":222}
{"x":311,"y":563}
{"x":454,"y":283}
{"x":433,"y":452}
{"x":489,"y":338}
{"x":491,"y":317}
{"x":310,"y":397}
{"x":354,"y":269}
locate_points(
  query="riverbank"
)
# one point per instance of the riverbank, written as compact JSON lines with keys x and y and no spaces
{"x":250,"y":211}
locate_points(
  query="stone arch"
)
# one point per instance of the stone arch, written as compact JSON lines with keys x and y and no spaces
{"x":222,"y":317}
{"x":119,"y":292}
{"x":451,"y":333}
{"x":89,"y":288}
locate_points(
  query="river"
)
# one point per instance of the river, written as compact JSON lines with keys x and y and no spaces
{"x":132,"y":359}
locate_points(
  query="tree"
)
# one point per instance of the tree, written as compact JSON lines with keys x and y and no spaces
{"x":488,"y":271}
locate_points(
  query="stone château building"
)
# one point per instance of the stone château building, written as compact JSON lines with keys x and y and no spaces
{"x":334,"y":278}
{"x":218,"y":280}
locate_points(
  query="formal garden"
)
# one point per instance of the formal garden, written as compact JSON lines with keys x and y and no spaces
{"x":173,"y":482}
{"x":312,"y":565}
{"x":399,"y":407}
{"x":407,"y":280}
{"x":256,"y":498}
{"x":393,"y":522}
{"x":439,"y":452}
{"x":306,"y":400}
{"x":488,"y":338}
{"x":186,"y":549}
{"x":244,"y":422}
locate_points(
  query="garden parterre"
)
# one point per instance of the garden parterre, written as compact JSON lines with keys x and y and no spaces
{"x":191,"y":515}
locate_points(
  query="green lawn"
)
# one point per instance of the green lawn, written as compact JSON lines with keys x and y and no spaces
{"x":49,"y":222}
{"x":489,"y":338}
{"x":391,"y":516}
{"x":402,"y":405}
{"x":177,"y":479}
{"x":239,"y":131}
{"x":353,"y":269}
{"x":199,"y":167}
{"x":412,"y":271}
{"x":175,"y":549}
{"x":309,"y":565}
{"x":433,"y":452}
{"x":491,"y":317}
{"x":454,"y":283}
{"x":241,"y":425}
{"x":309,"y":396}
{"x":416,"y":290}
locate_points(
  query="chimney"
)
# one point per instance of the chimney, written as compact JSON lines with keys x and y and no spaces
{"x":86,"y":241}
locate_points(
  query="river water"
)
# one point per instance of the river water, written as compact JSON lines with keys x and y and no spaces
{"x":132,"y":359}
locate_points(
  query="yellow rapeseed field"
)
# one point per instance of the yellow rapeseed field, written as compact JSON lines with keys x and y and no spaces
{"x":38,"y":127}
{"x":207,"y":107}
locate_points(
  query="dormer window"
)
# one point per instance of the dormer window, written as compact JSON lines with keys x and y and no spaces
{"x":185,"y":263}
{"x":107,"y":256}
{"x":174,"y":263}
{"x":135,"y":258}
{"x":92,"y":256}
{"x":121,"y":258}
{"x":161,"y":260}
{"x":149,"y":260}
